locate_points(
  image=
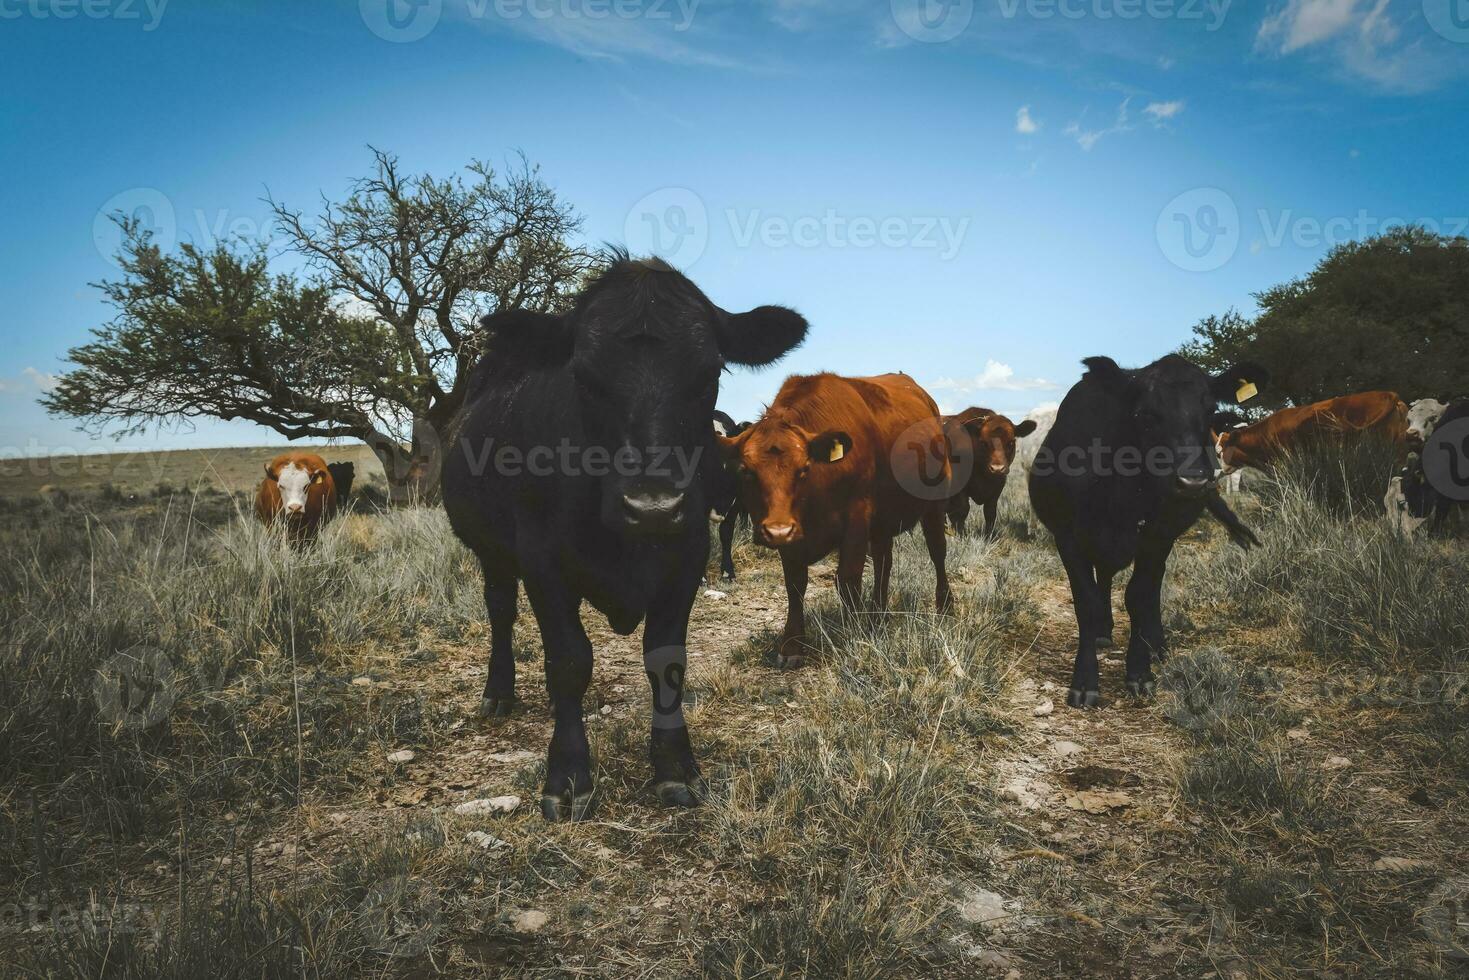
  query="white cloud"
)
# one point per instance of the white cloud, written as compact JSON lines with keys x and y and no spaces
{"x":1359,"y":37}
{"x":31,"y":381}
{"x":669,"y":38}
{"x":1302,"y":23}
{"x":1160,"y":111}
{"x":1166,"y":63}
{"x":1024,"y":124}
{"x":1088,"y":138}
{"x":995,"y":377}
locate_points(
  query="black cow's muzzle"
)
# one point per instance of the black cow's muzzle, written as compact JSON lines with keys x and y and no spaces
{"x":1192,"y":486}
{"x":652,"y":512}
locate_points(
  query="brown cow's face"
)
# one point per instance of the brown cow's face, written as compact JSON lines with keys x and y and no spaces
{"x":994,"y":438}
{"x":299,"y":481}
{"x":776,"y":463}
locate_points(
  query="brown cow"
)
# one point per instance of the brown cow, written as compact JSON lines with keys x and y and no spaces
{"x":981,"y":444}
{"x":1266,"y":441}
{"x":843,"y":464}
{"x":298,"y":489}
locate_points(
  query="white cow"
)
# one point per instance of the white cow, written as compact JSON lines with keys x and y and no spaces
{"x":1423,"y":415}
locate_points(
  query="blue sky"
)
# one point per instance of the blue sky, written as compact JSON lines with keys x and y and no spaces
{"x":977,"y":192}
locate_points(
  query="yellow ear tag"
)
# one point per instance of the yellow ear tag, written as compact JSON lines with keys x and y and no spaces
{"x":1247,"y":390}
{"x":837,"y":452}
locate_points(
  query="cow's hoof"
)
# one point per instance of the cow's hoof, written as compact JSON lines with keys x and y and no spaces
{"x":1142,"y":689}
{"x":726,"y":576}
{"x":566,"y":806}
{"x":672,"y":793}
{"x":496,"y":707}
{"x":1106,"y":643}
{"x":1077,"y":698}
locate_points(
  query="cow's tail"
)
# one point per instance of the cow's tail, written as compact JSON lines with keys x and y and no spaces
{"x":1238,"y":532}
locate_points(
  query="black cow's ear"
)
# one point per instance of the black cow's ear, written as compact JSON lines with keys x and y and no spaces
{"x":1105,"y":370}
{"x":1025,"y":428}
{"x":829,"y":447}
{"x":762,"y":336}
{"x":540,"y":339}
{"x":1240,"y":383}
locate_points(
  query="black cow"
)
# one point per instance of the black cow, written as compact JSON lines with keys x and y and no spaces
{"x":1128,"y":467}
{"x":722,"y":489}
{"x":343,"y":474}
{"x":1450,"y":453}
{"x":577,"y":468}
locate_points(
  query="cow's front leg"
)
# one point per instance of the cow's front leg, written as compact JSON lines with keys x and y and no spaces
{"x":792,"y":650}
{"x":1144,"y":600}
{"x":938,"y":547}
{"x":500,"y":590}
{"x":852,"y":561}
{"x":1086,"y":599}
{"x":568,"y":790}
{"x":676,"y":778}
{"x":882,"y":568}
{"x":991,"y":512}
{"x":1105,"y":633}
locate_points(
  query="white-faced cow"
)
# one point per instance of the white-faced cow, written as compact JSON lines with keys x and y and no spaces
{"x":1128,"y":467}
{"x":1423,"y":416}
{"x":576,"y":469}
{"x":298,"y":491}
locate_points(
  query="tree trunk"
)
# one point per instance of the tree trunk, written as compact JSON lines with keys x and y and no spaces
{"x":412,"y":471}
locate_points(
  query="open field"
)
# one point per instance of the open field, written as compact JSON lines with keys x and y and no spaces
{"x":228,"y":469}
{"x":919,"y":802}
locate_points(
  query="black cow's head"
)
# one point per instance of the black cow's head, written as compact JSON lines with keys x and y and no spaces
{"x":722,"y":487}
{"x":1171,"y":407}
{"x":646,"y":348}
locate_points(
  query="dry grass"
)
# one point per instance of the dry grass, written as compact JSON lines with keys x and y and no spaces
{"x":855,"y":804}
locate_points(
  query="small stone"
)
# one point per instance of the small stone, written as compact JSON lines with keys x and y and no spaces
{"x":362,"y":681}
{"x":1337,"y":762}
{"x":982,"y":907}
{"x":606,"y":709}
{"x":1048,"y":686}
{"x":518,"y":755}
{"x":401,"y":756}
{"x":1044,"y":709}
{"x":1065,"y":749}
{"x":483,"y":840}
{"x":338,"y":818}
{"x":529,"y":920}
{"x":715,"y":594}
{"x":482,"y":808}
{"x":662,"y":902}
{"x":1400,"y":864}
{"x":1298,"y":734}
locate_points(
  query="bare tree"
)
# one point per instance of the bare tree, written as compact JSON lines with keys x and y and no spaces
{"x":377,"y":345}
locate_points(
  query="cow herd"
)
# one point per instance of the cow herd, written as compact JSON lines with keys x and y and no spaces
{"x":585,"y":463}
